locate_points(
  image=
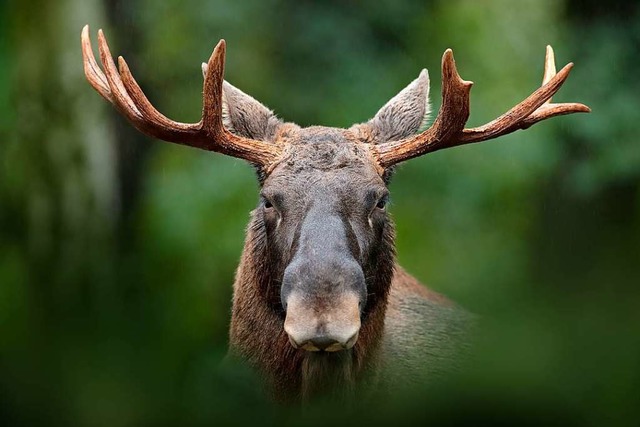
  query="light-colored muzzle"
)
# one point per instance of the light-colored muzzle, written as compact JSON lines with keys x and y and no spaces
{"x":315,"y":324}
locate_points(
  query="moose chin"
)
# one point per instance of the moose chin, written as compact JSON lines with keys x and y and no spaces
{"x":320,"y":305}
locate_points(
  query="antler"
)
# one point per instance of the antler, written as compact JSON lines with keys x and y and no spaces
{"x":122,"y":90}
{"x":448,"y":128}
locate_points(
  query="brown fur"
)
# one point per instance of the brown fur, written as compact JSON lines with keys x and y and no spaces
{"x":406,"y":330}
{"x":257,"y":332}
{"x":291,"y":375}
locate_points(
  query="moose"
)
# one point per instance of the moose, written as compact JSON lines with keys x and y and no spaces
{"x":320,"y":305}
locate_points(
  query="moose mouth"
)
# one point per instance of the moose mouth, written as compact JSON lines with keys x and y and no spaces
{"x":323,"y":344}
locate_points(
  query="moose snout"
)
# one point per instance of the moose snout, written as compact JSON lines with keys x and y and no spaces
{"x":323,"y":288}
{"x":331,"y":328}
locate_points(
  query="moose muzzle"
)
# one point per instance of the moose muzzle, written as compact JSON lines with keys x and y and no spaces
{"x":323,"y":287}
{"x":315,"y":324}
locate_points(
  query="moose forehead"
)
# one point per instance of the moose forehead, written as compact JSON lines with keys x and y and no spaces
{"x":322,"y":157}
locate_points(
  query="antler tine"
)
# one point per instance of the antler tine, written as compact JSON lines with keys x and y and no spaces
{"x":535,"y":108}
{"x":256,"y":152}
{"x":163,"y":127}
{"x":120,"y":97}
{"x":510,"y":121}
{"x":91,"y":69}
{"x":150,"y":112}
{"x":549,"y":109}
{"x":120,"y":88}
{"x":212,"y":92}
{"x":549,"y":67}
{"x":450,"y":121}
{"x":111,"y":86}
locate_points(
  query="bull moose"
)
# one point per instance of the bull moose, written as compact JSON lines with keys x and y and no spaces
{"x":319,"y":303}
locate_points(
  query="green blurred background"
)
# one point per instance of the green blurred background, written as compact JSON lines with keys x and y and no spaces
{"x":117,"y":252}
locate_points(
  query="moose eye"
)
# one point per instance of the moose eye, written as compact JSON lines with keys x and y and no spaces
{"x":382,"y":203}
{"x":270,"y":203}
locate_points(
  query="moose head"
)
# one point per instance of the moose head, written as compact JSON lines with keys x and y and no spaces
{"x":314,"y":284}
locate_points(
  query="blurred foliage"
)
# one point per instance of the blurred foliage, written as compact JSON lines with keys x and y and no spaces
{"x":117,"y":253}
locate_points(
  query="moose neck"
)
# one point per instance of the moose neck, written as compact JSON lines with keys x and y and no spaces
{"x":257,"y":325}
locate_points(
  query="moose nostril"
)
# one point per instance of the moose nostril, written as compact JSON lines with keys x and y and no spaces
{"x":352,"y":341}
{"x":324,"y":342}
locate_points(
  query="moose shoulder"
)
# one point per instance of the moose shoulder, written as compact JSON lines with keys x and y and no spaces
{"x":320,"y":305}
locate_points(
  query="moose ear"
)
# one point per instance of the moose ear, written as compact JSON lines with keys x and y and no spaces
{"x":243,"y":115}
{"x":404,"y":114}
